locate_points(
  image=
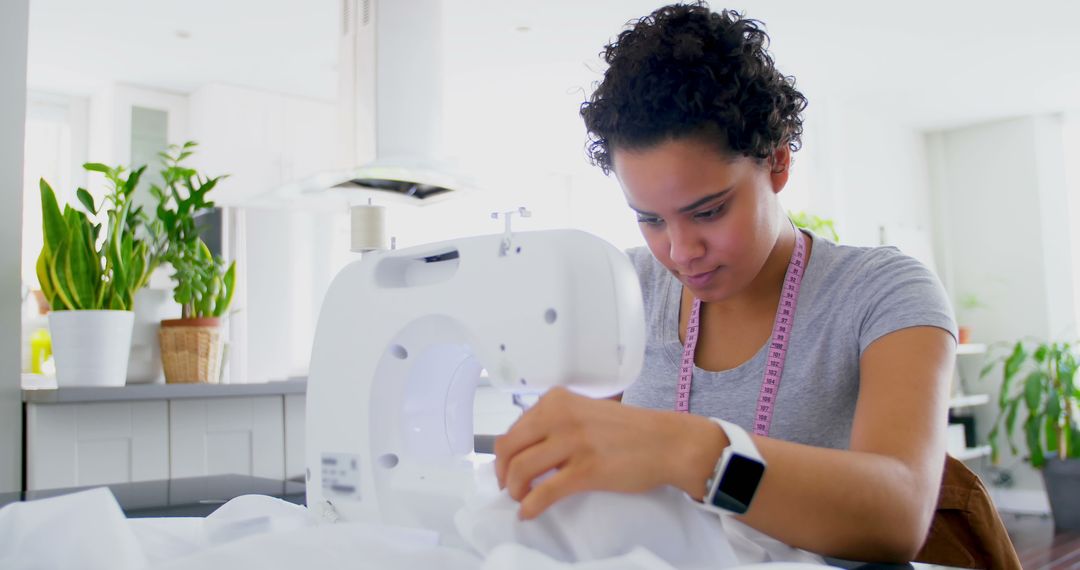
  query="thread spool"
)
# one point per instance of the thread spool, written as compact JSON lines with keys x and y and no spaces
{"x":368,"y":228}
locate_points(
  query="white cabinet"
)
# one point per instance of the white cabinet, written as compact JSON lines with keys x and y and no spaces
{"x":72,"y":445}
{"x":261,"y":139}
{"x":75,"y":438}
{"x":216,"y":436}
{"x":294,"y":435}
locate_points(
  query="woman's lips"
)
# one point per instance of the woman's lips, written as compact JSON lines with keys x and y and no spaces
{"x":701,"y":279}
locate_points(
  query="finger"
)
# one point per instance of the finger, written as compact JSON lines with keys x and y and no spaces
{"x":563,"y":483}
{"x":526,"y":432}
{"x":531,"y":463}
{"x":533,"y":426}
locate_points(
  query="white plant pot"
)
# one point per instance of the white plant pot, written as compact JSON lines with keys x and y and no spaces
{"x":151,"y":307}
{"x":91,"y":348}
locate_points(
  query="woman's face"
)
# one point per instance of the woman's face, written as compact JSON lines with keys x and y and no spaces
{"x":709,"y":218}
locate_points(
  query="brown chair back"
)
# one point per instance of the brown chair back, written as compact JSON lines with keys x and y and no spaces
{"x":967,"y":531}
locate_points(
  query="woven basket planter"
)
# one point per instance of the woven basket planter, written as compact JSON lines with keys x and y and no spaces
{"x":191,"y":350}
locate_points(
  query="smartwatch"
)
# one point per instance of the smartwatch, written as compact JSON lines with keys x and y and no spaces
{"x":737,"y":474}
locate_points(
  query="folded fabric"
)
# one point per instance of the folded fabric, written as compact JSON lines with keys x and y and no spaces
{"x":85,"y":530}
{"x":754,"y":547}
{"x":248,"y":515}
{"x":341,"y":545}
{"x":164,"y":539}
{"x":521,"y":557}
{"x":660,"y":530}
{"x":596,"y":526}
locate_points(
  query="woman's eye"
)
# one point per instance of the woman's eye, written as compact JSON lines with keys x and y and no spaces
{"x":649,"y":220}
{"x":710,"y":214}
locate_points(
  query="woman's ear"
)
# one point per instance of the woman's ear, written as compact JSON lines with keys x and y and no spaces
{"x":780,"y":167}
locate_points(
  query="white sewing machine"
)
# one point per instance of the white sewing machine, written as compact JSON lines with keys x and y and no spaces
{"x":402,"y":338}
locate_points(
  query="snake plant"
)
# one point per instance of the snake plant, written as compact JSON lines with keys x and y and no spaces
{"x":203,"y":285}
{"x":78,"y":268}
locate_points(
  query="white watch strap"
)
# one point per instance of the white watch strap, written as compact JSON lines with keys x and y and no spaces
{"x":740,"y":441}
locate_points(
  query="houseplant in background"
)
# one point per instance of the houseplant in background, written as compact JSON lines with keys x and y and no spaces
{"x":969,"y":303}
{"x":89,"y":278}
{"x":1040,"y":377}
{"x":191,"y":347}
{"x":823,"y":227}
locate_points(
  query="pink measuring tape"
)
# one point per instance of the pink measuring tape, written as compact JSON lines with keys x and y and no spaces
{"x":778,"y":342}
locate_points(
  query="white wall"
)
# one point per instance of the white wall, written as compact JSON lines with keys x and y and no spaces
{"x":1071,"y":146}
{"x":1004,"y":228}
{"x":14,"y":25}
{"x":866,"y":171}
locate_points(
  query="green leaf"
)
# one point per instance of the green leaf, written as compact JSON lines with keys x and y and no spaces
{"x":87,"y":200}
{"x":995,"y":452}
{"x":229,"y":281}
{"x":1067,"y":373}
{"x":139,"y":274}
{"x":1074,"y":442}
{"x":133,"y":180}
{"x":63,"y":301}
{"x":986,"y":369}
{"x":1012,"y":365}
{"x":42,"y":270}
{"x":97,"y":167}
{"x":54,"y":228}
{"x":81,"y":266}
{"x":1031,"y":430}
{"x":1010,"y":423}
{"x":1053,"y":405}
{"x":1033,"y":390}
{"x":1052,"y":428}
{"x":1040,"y":353}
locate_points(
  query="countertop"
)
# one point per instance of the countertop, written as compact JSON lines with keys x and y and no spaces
{"x":46,"y":394}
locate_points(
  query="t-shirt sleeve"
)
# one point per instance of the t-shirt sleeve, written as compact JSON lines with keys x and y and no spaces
{"x":645,"y":266}
{"x":899,"y":292}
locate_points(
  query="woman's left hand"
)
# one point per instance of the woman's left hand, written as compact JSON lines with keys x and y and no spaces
{"x":601,"y":445}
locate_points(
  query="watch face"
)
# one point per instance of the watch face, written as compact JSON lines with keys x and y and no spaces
{"x":738,"y":483}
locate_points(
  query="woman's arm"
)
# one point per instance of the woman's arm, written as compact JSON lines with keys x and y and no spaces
{"x":874,"y":502}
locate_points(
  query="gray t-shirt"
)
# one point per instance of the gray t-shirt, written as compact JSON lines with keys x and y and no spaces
{"x":850,"y":297}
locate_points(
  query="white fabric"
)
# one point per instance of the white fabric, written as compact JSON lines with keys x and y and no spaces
{"x":595,"y":526}
{"x":83,"y":530}
{"x":520,"y":557}
{"x":593,"y":531}
{"x":169,"y":538}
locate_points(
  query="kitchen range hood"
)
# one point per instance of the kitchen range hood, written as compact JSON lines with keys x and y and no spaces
{"x":389,"y":108}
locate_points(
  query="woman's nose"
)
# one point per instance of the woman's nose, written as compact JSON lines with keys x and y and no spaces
{"x":686,"y":245}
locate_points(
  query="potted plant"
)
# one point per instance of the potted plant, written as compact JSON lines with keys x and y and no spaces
{"x":821,"y":226}
{"x":1040,"y":378}
{"x":90,"y":277}
{"x":203,"y":286}
{"x":968,"y":304}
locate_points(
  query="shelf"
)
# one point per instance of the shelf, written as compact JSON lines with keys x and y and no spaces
{"x":970,"y":348}
{"x":972,"y":453}
{"x":969,"y":400}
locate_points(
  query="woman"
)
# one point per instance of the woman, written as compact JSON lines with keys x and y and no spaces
{"x":699,"y":128}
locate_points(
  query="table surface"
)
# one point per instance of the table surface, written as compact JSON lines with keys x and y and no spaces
{"x":184,"y":497}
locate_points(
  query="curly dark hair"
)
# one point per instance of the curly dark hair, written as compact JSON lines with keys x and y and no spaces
{"x":687,"y":71}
